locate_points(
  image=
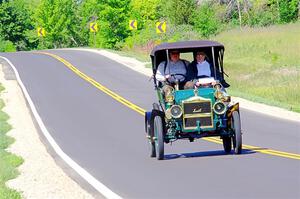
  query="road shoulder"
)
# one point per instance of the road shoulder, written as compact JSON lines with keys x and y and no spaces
{"x":40,"y":177}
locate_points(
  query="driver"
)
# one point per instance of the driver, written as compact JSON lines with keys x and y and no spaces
{"x":175,"y":66}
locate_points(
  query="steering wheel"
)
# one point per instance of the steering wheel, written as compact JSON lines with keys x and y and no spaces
{"x":174,"y":76}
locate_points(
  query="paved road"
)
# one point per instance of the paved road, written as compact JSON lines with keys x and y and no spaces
{"x":107,"y":138}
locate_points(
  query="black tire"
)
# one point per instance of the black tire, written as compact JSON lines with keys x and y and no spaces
{"x":227,"y":144}
{"x":237,"y":137}
{"x":151,"y":141}
{"x":155,"y":106}
{"x":159,"y":141}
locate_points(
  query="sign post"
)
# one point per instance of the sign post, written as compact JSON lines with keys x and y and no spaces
{"x":94,"y":29}
{"x":41,"y":34}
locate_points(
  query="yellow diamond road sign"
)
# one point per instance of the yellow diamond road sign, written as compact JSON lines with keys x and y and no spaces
{"x":161,"y":27}
{"x":93,"y":27}
{"x":41,"y":32}
{"x":133,"y":24}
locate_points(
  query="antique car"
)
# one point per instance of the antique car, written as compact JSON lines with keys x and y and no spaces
{"x":205,"y":110}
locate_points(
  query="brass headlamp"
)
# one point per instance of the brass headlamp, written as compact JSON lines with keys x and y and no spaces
{"x":168,"y":92}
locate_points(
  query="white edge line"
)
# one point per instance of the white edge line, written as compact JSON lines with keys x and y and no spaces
{"x":81,"y":171}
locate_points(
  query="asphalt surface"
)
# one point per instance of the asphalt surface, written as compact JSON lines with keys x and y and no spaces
{"x":108,"y":140}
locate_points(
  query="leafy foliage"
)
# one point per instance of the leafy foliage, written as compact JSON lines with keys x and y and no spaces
{"x":59,"y":19}
{"x":288,"y":10}
{"x":113,"y":18}
{"x":206,"y":21}
{"x":145,"y":11}
{"x":15,"y":23}
{"x":67,"y":22}
{"x":6,"y":46}
{"x":178,"y":11}
{"x":88,"y":12}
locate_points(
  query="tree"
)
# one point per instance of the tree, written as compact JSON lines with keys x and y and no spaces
{"x":113,"y":22}
{"x":88,"y":12}
{"x":178,"y":11}
{"x":206,"y":21}
{"x":60,"y":20}
{"x":15,"y":22}
{"x":145,"y":11}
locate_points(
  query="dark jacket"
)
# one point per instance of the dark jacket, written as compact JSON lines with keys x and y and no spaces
{"x":192,"y":71}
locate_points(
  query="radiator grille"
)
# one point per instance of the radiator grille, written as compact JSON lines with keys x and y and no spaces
{"x":197,"y":112}
{"x":197,"y":107}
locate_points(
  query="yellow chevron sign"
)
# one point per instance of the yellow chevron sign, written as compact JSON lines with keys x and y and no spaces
{"x":161,"y":27}
{"x":132,"y":24}
{"x":93,"y":27}
{"x":41,"y":32}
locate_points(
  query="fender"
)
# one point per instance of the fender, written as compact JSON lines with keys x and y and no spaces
{"x":147,"y":119}
{"x":231,"y":109}
{"x":153,"y":114}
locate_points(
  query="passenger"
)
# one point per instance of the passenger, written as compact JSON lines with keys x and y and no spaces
{"x":175,"y":66}
{"x":199,"y":68}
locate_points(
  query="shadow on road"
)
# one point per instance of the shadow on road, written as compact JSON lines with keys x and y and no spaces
{"x":206,"y":154}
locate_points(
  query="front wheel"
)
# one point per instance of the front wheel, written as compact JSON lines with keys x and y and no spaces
{"x":227,"y":144}
{"x":150,"y":140}
{"x":159,"y":138}
{"x":237,"y":137}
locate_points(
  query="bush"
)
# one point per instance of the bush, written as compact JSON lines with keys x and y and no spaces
{"x":288,"y":10}
{"x":7,"y":46}
{"x":206,"y":21}
{"x":262,"y":15}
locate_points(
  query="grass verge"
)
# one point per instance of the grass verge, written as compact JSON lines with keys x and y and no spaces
{"x":8,"y":161}
{"x":264,"y":64}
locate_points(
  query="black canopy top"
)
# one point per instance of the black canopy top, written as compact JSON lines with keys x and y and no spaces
{"x":185,"y":46}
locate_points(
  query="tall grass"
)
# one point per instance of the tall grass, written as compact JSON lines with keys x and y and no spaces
{"x":264,"y":64}
{"x":8,"y":161}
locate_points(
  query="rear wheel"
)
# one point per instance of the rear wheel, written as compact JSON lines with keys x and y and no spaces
{"x":227,"y":144}
{"x":237,"y":137}
{"x":159,"y":137}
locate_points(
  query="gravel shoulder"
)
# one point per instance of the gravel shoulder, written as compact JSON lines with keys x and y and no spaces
{"x":40,"y":176}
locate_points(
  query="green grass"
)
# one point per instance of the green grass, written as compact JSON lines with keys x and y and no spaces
{"x":264,"y":64}
{"x":8,"y":161}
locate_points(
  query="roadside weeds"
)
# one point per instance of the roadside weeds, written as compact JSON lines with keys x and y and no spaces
{"x":8,"y":161}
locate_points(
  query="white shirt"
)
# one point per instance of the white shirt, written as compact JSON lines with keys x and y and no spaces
{"x":203,"y":69}
{"x":171,"y":68}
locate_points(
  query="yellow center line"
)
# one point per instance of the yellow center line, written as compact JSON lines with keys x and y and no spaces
{"x":142,"y":111}
{"x":97,"y":84}
{"x":260,"y":149}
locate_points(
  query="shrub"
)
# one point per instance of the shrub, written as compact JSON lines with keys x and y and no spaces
{"x":205,"y":20}
{"x":288,"y":10}
{"x":6,"y":46}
